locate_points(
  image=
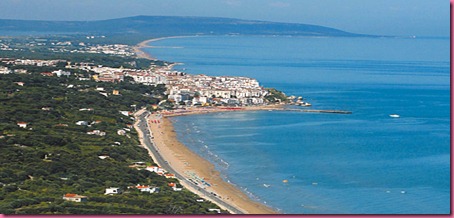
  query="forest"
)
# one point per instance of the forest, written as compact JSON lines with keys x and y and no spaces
{"x":52,"y":155}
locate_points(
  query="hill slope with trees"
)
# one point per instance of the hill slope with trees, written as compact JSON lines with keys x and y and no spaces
{"x":53,"y":155}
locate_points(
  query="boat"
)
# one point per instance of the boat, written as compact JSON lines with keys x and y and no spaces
{"x":266,"y":185}
{"x":394,"y":115}
{"x":305,"y":104}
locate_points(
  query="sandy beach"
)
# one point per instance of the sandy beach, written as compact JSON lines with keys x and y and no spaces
{"x":142,"y":54}
{"x":190,"y":164}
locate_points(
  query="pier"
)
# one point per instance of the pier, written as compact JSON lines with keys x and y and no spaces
{"x":321,"y":111}
{"x":206,"y":110}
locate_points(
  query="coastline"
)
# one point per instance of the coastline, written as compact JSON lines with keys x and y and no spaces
{"x":138,"y":49}
{"x":186,"y":162}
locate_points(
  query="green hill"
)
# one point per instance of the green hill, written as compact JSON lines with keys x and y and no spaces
{"x":156,"y":26}
{"x":53,"y":155}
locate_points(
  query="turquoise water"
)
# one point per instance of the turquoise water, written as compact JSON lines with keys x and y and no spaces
{"x":363,"y":163}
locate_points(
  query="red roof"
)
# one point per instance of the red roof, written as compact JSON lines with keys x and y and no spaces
{"x":69,"y":195}
{"x":47,"y":74}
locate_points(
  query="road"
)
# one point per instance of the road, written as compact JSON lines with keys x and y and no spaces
{"x":143,"y":127}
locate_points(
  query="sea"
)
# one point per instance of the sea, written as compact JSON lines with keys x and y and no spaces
{"x":307,"y":163}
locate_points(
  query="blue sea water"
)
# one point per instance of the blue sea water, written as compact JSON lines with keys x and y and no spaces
{"x":363,"y":163}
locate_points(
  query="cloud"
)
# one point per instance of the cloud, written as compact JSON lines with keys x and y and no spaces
{"x":280,"y":4}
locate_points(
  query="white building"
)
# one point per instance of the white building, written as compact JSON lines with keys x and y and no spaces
{"x":4,"y":70}
{"x":22,"y":124}
{"x":112,"y":191}
{"x":60,"y":73}
{"x":147,"y":188}
{"x":156,"y":169}
{"x":74,"y":197}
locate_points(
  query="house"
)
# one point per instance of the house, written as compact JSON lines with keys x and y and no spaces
{"x":20,"y":83}
{"x":174,"y":187}
{"x":86,"y":109}
{"x":75,"y":197}
{"x":147,"y":188}
{"x":60,"y":73}
{"x":4,"y":70}
{"x":20,"y":71}
{"x":47,"y":74}
{"x":82,"y":123}
{"x":115,"y":92}
{"x":169,"y":176}
{"x":102,"y":157}
{"x":126,"y":113}
{"x":215,"y":210}
{"x":113,"y":191}
{"x":97,"y":132}
{"x":121,"y":132}
{"x":22,"y":124}
{"x":156,"y":169}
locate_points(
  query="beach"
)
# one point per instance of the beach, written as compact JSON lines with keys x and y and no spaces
{"x":191,"y":165}
{"x":188,"y":163}
{"x":145,"y":44}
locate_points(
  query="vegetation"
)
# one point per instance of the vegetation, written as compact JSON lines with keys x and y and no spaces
{"x":53,"y":156}
{"x":50,"y":48}
{"x":275,"y":96}
{"x":159,"y":26}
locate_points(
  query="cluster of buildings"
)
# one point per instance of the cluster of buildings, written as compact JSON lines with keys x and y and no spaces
{"x":116,"y":49}
{"x":64,"y":46}
{"x":182,"y":89}
{"x":39,"y":63}
{"x":185,"y":89}
{"x":202,"y":90}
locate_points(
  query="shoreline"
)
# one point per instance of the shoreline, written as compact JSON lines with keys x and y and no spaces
{"x":138,"y":49}
{"x":188,"y":163}
{"x":185,"y":162}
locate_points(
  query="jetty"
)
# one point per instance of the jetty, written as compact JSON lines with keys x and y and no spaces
{"x":192,"y":111}
{"x":320,"y":111}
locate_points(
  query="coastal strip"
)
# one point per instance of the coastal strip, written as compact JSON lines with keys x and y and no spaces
{"x":188,"y":164}
{"x":138,"y":49}
{"x":194,"y":172}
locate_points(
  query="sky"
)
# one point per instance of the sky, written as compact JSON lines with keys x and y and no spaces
{"x":380,"y":17}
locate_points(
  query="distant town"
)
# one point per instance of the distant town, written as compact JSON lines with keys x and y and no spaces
{"x":183,"y":90}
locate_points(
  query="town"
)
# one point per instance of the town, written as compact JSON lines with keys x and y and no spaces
{"x":183,"y":90}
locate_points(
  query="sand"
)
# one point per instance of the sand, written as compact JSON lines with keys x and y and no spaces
{"x":145,"y":44}
{"x":184,"y":160}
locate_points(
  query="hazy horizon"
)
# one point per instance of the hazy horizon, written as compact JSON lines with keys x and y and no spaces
{"x":384,"y":17}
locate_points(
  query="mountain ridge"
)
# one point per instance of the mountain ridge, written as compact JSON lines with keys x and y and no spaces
{"x":174,"y":25}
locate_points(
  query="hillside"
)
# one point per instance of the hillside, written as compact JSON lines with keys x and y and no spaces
{"x":171,"y":26}
{"x":60,"y":135}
